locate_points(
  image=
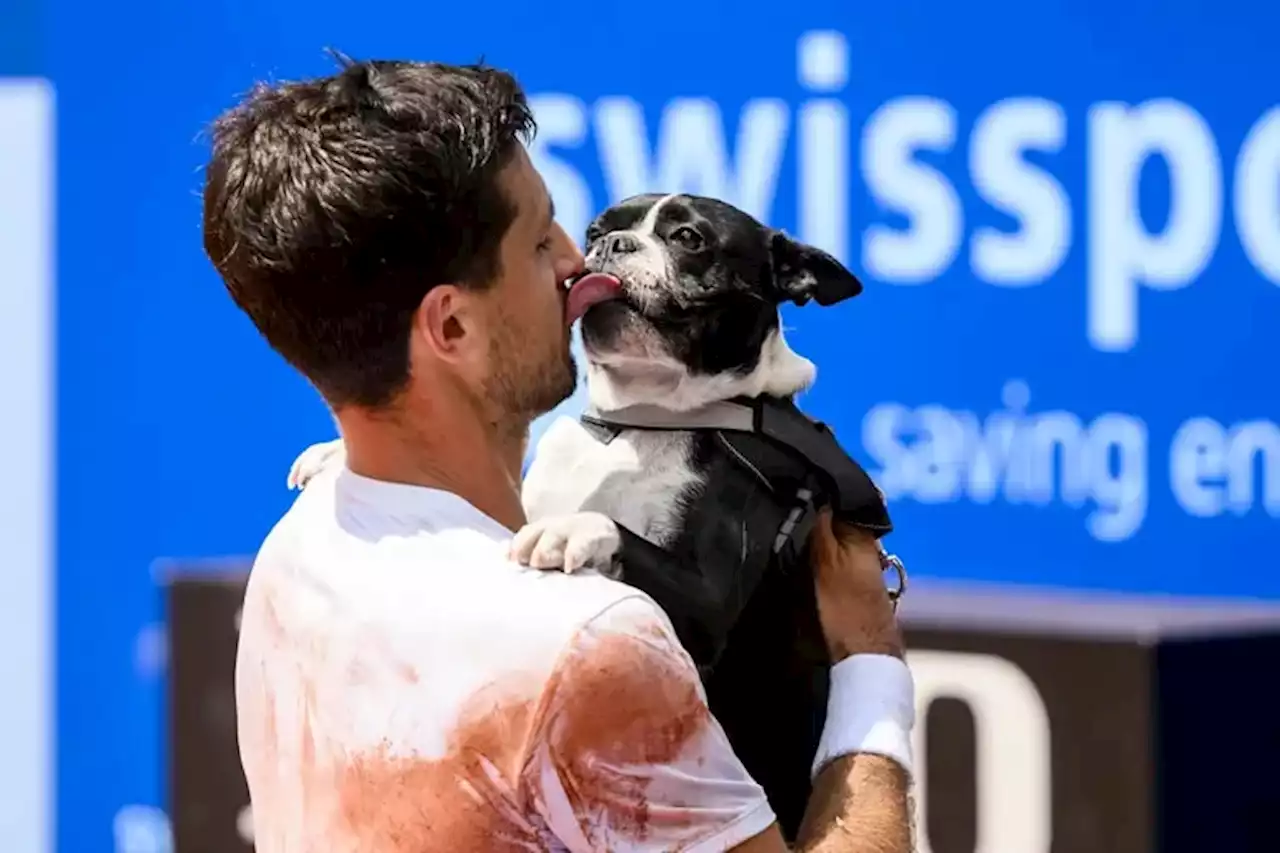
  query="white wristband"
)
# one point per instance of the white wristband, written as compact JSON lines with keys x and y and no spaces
{"x":870,"y":709}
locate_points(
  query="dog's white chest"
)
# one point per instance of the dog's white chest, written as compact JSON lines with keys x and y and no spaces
{"x":637,"y":479}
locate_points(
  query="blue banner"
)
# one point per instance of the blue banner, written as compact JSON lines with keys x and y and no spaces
{"x":1067,"y":216}
{"x":21,"y":38}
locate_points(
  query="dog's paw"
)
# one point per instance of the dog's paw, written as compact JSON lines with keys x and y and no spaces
{"x":313,"y":460}
{"x":568,"y":542}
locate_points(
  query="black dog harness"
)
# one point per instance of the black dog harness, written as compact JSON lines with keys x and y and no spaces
{"x":736,"y":581}
{"x":749,"y":428}
{"x":800,"y":467}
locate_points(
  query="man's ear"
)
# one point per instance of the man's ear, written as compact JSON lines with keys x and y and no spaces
{"x":444,"y":319}
{"x":802,"y":272}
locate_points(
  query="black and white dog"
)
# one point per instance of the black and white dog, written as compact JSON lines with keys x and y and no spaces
{"x":692,"y":475}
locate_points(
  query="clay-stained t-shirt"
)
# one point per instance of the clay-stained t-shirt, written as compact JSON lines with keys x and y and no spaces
{"x":401,"y":686}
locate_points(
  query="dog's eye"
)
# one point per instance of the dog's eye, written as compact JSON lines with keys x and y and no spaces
{"x":687,"y":237}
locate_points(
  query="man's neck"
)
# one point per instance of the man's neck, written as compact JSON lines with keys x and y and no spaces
{"x":456,"y":451}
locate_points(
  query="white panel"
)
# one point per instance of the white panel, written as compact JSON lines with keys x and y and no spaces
{"x":27,"y":167}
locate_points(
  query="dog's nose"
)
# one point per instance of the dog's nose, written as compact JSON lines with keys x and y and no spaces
{"x":621,"y":243}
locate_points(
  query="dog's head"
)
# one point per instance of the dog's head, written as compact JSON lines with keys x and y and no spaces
{"x":680,"y":302}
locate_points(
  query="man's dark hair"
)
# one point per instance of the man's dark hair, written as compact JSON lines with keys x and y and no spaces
{"x":331,"y":207}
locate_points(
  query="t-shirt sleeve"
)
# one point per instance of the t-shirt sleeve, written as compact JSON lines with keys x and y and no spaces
{"x":627,"y":756}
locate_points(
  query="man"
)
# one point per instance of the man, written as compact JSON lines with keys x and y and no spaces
{"x":401,"y":684}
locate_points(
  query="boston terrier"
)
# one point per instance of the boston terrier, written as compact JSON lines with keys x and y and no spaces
{"x":693,"y":475}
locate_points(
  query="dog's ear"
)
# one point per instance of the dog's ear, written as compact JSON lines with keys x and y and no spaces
{"x":802,"y":272}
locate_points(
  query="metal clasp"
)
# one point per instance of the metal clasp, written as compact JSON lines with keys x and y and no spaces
{"x":890,"y":561}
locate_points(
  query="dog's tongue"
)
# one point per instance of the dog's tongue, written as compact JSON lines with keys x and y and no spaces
{"x":591,"y":289}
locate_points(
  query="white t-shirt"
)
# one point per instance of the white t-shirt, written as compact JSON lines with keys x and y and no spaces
{"x":401,"y":686}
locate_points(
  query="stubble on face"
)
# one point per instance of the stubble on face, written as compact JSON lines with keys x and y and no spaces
{"x":530,"y":374}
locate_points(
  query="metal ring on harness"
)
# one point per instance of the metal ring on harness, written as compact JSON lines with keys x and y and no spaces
{"x":890,"y":561}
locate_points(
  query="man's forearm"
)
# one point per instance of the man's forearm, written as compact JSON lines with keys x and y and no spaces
{"x":860,"y":804}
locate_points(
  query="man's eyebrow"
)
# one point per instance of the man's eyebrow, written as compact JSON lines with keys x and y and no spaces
{"x":551,"y":211}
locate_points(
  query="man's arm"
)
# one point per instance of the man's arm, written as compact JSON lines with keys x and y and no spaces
{"x":632,"y":758}
{"x":627,"y":755}
{"x":859,"y":804}
{"x":861,"y":798}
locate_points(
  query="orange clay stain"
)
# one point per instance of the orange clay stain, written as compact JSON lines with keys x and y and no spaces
{"x":270,"y":745}
{"x":402,"y":669}
{"x":621,"y":704}
{"x":270,"y":735}
{"x":465,"y":800}
{"x":307,"y":748}
{"x":613,"y":707}
{"x":407,"y":673}
{"x":274,"y":627}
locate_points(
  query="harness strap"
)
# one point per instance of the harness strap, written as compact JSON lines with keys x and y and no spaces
{"x":765,"y":435}
{"x":853,"y":494}
{"x":720,"y":415}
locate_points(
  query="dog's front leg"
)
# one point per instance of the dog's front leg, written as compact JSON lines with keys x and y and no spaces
{"x":700,"y":604}
{"x":570,"y":542}
{"x":313,"y":460}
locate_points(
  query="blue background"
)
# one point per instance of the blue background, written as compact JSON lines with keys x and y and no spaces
{"x":177,"y":425}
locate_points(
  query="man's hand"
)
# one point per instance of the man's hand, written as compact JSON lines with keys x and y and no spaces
{"x":860,"y":801}
{"x":853,"y":602}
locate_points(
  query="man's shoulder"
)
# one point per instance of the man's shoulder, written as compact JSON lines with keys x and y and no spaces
{"x":557,"y":608}
{"x":310,"y":514}
{"x":454,"y":585}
